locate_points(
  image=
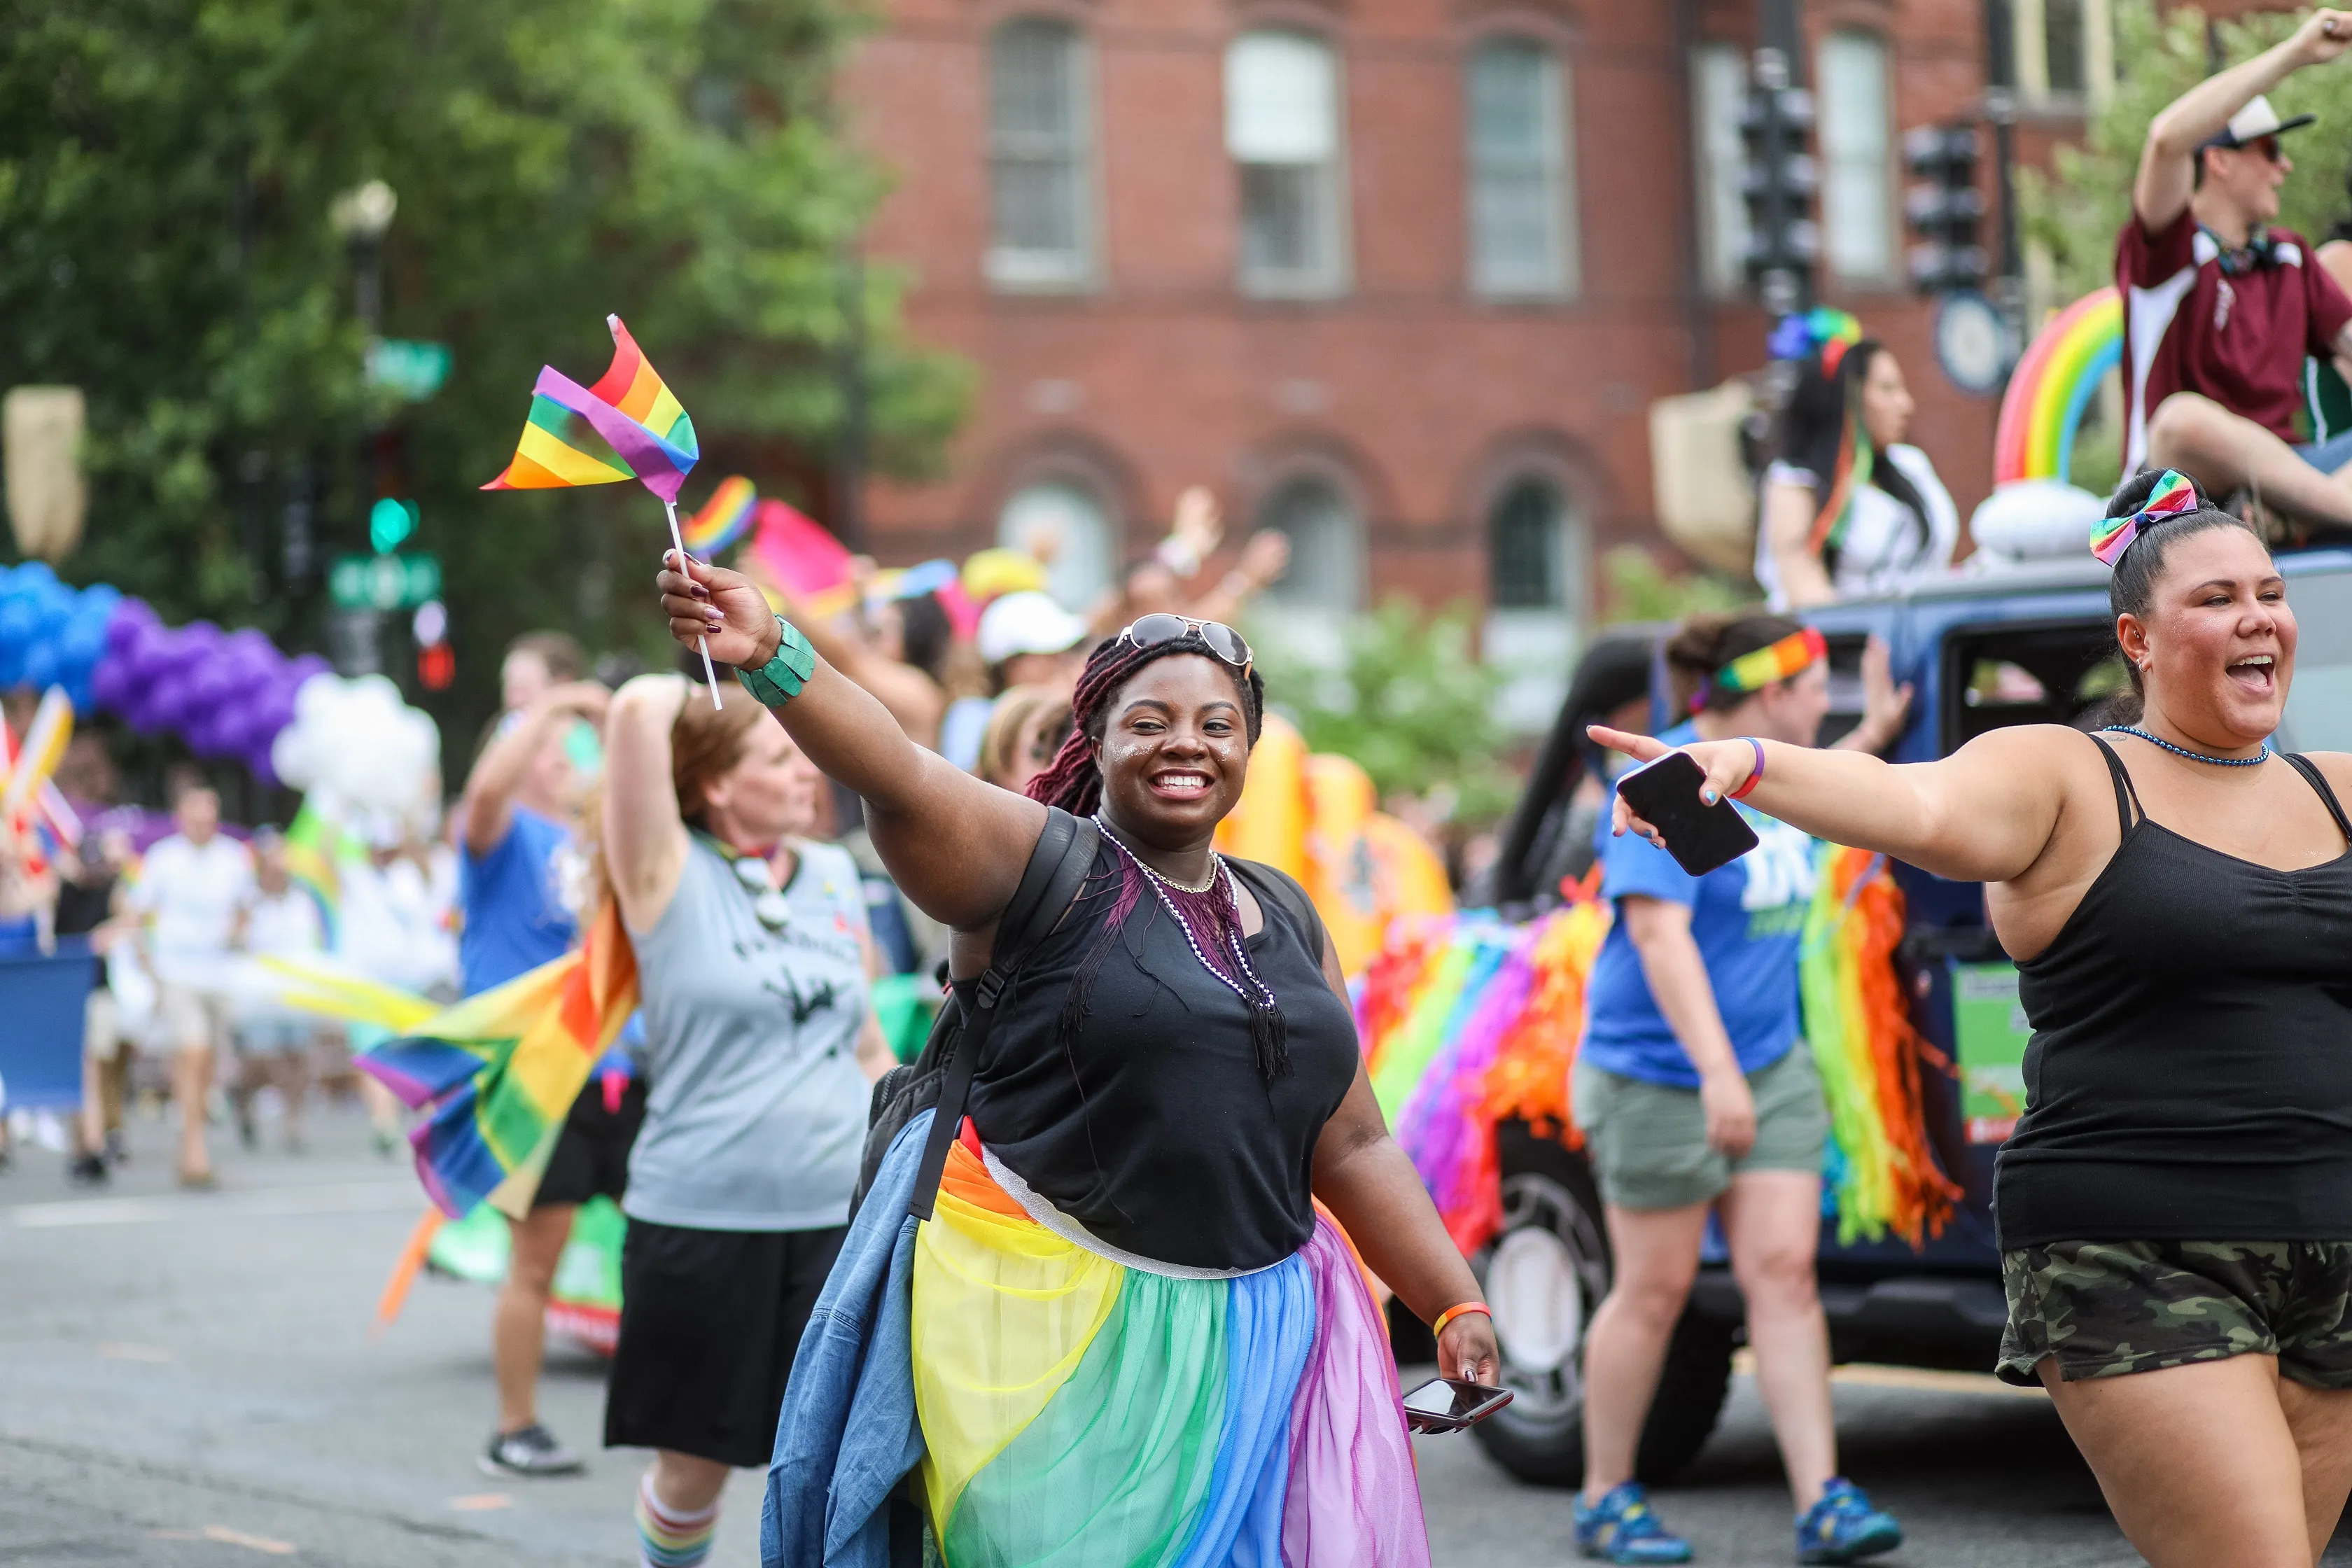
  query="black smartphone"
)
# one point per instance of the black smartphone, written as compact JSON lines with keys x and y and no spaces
{"x":1664,"y":793}
{"x":1450,"y":1405}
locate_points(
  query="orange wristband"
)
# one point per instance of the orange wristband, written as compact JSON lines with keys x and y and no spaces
{"x":1451,"y":1313}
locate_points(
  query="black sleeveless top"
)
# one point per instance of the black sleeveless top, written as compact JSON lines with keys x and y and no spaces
{"x":2189,"y":1077}
{"x":1156,"y":1130}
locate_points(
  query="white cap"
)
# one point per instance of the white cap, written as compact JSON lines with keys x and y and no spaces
{"x":1026,"y":622}
{"x":2254,"y":122}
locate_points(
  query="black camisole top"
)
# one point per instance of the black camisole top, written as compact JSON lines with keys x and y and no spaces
{"x":2189,"y":1077}
{"x":1156,"y":1130}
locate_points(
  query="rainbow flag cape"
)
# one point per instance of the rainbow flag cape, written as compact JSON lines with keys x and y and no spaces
{"x":724,"y":518}
{"x":629,"y":426}
{"x":502,"y":1070}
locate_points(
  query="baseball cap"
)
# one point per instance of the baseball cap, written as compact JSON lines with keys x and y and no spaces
{"x":2254,"y":122}
{"x":1026,"y":622}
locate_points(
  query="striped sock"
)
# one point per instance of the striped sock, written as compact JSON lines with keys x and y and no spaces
{"x":669,"y":1536}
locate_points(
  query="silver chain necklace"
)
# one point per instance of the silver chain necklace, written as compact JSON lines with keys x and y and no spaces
{"x":1216,"y":863}
{"x":1160,"y":886}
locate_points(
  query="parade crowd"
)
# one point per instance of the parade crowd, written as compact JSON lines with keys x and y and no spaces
{"x":1022,"y":1305}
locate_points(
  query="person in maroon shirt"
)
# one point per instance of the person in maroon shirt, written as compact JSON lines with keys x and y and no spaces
{"x":2221,"y":307}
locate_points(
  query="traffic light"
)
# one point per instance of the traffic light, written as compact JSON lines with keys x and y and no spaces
{"x":1783,"y":242}
{"x":1945,"y":210}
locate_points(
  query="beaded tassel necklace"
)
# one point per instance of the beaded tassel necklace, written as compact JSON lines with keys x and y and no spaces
{"x":1210,"y":917}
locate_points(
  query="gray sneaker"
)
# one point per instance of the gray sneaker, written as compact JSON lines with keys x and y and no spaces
{"x":532,"y":1451}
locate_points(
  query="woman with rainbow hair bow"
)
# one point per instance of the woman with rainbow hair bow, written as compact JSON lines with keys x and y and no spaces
{"x":1131,"y":1330}
{"x":2175,"y":1207}
{"x":1698,"y":1097}
{"x":1848,"y":507}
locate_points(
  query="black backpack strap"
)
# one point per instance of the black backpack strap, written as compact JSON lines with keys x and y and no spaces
{"x":1057,"y":867}
{"x":1264,"y":878}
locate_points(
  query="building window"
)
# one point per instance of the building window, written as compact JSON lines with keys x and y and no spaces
{"x":1327,"y":546}
{"x":1718,"y":91}
{"x":1067,"y":524}
{"x":1858,"y":176}
{"x":1282,"y":128}
{"x":2062,"y":48}
{"x":1521,"y":193}
{"x":1039,"y":221}
{"x":1529,"y":565}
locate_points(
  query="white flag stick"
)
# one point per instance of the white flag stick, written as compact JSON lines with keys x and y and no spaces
{"x":708,"y":673}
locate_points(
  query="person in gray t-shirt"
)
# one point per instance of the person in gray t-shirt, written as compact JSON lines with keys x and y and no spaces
{"x":754,"y":962}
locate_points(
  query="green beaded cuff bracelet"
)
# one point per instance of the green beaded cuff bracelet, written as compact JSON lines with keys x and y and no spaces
{"x":780,"y":680}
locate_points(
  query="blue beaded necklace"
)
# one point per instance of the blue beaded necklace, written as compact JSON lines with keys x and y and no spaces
{"x":2253,"y":761}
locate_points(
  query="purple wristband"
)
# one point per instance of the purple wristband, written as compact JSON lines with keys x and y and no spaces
{"x":1756,"y":775}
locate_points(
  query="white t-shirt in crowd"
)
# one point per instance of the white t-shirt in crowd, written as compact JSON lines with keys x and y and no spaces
{"x":283,"y":925}
{"x":1885,"y":548}
{"x":192,"y":895}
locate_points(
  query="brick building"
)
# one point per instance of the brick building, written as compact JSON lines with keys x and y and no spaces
{"x":1400,"y":276}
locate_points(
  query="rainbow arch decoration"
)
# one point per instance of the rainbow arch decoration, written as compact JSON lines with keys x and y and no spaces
{"x":2052,"y":385}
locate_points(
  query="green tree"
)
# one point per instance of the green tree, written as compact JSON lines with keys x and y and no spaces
{"x":167,"y":169}
{"x":1410,"y":702}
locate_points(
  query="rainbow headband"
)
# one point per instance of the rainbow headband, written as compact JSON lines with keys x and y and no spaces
{"x":2173,"y":495}
{"x":1792,"y":655}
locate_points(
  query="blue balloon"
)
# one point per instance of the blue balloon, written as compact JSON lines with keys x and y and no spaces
{"x":41,"y":668}
{"x":32,"y":575}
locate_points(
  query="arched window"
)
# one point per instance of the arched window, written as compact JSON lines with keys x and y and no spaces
{"x":1283,"y":133}
{"x":1521,"y":196}
{"x":1040,"y":221}
{"x":1076,"y":531}
{"x":1528,"y":549}
{"x":1327,"y":546}
{"x":1535,"y":568}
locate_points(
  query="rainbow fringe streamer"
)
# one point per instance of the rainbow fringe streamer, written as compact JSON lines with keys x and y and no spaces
{"x":1882,"y":1174}
{"x":1468,"y":1022}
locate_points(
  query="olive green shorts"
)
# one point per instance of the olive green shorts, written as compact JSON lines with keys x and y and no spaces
{"x":2107,"y":1308}
{"x":1647,"y":1142}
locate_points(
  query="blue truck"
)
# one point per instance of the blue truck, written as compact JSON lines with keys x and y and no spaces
{"x":2023,"y":643}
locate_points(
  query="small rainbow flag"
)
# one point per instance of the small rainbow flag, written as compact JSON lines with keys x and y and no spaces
{"x":628,"y":426}
{"x":37,"y":758}
{"x":502,"y":1070}
{"x":724,"y":518}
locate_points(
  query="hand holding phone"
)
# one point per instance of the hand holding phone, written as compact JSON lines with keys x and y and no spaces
{"x":1451,"y":1404}
{"x":1664,"y":793}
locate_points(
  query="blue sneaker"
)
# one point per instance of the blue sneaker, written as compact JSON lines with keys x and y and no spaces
{"x":1620,"y":1528}
{"x":1843,"y":1527}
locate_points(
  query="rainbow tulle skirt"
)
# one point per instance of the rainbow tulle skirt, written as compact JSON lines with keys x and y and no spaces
{"x":1083,"y":1412}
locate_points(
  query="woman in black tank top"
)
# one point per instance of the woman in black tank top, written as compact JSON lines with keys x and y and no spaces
{"x":1171,"y":1090}
{"x":2174,"y":1208}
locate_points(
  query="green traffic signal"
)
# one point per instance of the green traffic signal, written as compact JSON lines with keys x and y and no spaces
{"x":390,"y":523}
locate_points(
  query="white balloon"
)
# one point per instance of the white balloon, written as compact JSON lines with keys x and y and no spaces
{"x":355,"y":747}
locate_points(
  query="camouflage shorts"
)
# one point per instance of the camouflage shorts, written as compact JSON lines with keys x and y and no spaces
{"x":2105,"y":1308}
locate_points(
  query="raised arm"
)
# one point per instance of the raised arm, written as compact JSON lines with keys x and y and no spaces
{"x":955,"y":846}
{"x":643,"y":836}
{"x":2168,"y":172}
{"x":1787,"y":523}
{"x":489,"y":804}
{"x":1985,"y":814}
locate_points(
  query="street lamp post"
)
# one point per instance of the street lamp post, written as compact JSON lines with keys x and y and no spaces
{"x":363,"y":216}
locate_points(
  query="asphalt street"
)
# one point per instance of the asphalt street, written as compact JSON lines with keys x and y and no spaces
{"x":188,"y":1381}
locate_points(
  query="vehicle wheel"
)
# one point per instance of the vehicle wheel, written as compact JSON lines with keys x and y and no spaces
{"x":1544,"y":1275}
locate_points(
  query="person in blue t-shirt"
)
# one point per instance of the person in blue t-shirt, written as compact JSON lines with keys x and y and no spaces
{"x":1695,"y":1093}
{"x":518,"y":862}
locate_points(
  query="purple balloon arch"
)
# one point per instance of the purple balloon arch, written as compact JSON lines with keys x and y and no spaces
{"x":227,"y":694}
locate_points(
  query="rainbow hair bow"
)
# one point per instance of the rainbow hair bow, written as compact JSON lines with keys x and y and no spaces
{"x":2173,"y":495}
{"x":1792,"y":655}
{"x":629,"y":426}
{"x":1821,"y":331}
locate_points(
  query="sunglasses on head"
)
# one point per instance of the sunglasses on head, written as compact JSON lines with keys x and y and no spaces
{"x":1149,"y":631}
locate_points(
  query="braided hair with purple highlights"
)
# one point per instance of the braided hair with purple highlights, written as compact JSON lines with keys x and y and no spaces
{"x":1210,"y":916}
